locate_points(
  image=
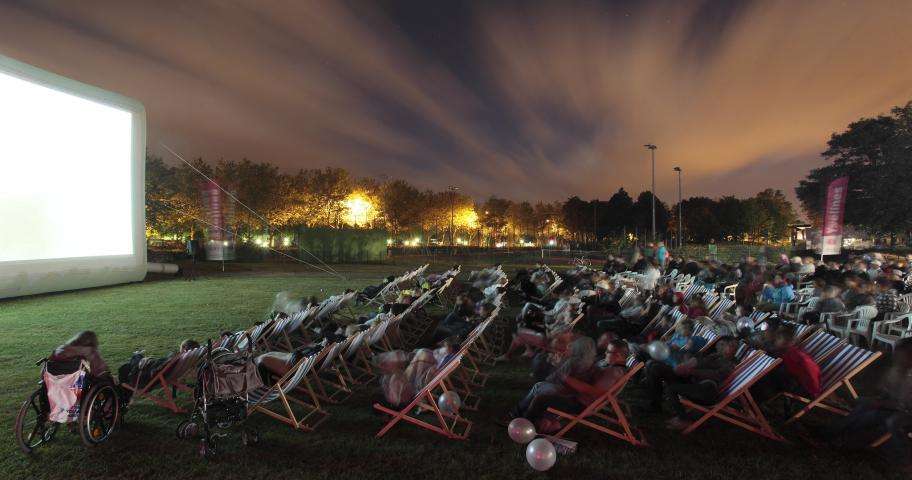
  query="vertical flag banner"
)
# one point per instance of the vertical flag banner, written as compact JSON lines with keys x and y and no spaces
{"x":220,"y":215}
{"x":831,"y":241}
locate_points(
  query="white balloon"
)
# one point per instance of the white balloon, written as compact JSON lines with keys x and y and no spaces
{"x":540,"y":454}
{"x":744,"y":323}
{"x":658,"y":350}
{"x":449,"y":402}
{"x":521,"y":430}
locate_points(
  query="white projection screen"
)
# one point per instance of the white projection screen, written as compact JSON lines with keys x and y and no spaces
{"x":72,"y":160}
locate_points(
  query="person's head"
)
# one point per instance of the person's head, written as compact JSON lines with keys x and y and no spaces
{"x":685,"y":328}
{"x":188,"y":344}
{"x":727,"y":346}
{"x":582,"y":353}
{"x":617,"y":352}
{"x":226,"y":334}
{"x":772,"y":326}
{"x":486,"y":309}
{"x":661,"y":244}
{"x":831,"y":291}
{"x":85,"y":338}
{"x":902,"y":354}
{"x":784,"y":337}
{"x":778,"y":281}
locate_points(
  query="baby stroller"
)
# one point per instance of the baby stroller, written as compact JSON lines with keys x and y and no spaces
{"x":224,"y":379}
{"x":68,"y":393}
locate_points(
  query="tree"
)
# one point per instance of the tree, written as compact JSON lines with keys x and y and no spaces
{"x":401,"y":204}
{"x":700,"y":219}
{"x":619,"y":211}
{"x":642,"y":216}
{"x":876,"y":155}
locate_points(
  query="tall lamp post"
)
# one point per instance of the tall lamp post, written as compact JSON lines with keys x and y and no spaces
{"x":652,"y":148}
{"x":453,"y":189}
{"x":680,"y":211}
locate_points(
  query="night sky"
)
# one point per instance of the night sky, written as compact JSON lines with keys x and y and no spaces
{"x":528,"y":100}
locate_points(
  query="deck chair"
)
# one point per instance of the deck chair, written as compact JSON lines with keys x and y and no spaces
{"x":820,"y":345}
{"x":660,"y":314}
{"x":836,"y":372}
{"x":605,"y":414}
{"x":353,"y":363}
{"x":328,"y":379}
{"x":169,"y":380}
{"x":737,"y":406}
{"x":299,"y":406}
{"x":446,"y":424}
{"x":720,"y":307}
{"x":709,"y":334}
{"x":759,"y":317}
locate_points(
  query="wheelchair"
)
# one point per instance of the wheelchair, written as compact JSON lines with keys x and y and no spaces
{"x":96,"y":415}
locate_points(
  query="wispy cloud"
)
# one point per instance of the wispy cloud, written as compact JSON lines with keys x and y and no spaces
{"x":563,"y":97}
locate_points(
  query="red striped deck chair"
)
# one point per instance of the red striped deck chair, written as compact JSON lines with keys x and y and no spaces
{"x":291,"y":399}
{"x":737,"y":406}
{"x":836,"y":372}
{"x":162,"y":388}
{"x":446,"y":424}
{"x":605,"y":414}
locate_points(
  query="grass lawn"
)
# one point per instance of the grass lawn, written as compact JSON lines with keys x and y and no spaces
{"x":156,"y":315}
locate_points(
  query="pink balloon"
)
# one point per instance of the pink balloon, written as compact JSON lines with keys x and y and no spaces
{"x":521,"y":430}
{"x":540,"y":454}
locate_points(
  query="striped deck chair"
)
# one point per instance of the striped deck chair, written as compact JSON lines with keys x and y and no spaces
{"x":720,"y":307}
{"x":660,"y":314}
{"x":605,"y":414}
{"x":676,"y":316}
{"x":353,"y":363}
{"x":628,"y":298}
{"x":836,"y":372}
{"x":709,"y":334}
{"x":820,"y":345}
{"x":743,"y":351}
{"x":328,"y":377}
{"x":709,"y":299}
{"x":446,"y":424}
{"x":737,"y":406}
{"x":299,"y":405}
{"x":169,"y":379}
{"x":758,"y":317}
{"x":256,"y":334}
{"x":469,"y":378}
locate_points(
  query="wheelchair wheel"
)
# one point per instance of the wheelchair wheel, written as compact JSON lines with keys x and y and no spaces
{"x":32,"y":425}
{"x":100,"y":414}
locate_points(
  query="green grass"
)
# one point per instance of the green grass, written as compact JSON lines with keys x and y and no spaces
{"x":156,"y":315}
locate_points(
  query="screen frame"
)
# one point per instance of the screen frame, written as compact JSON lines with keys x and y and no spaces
{"x":27,"y":277}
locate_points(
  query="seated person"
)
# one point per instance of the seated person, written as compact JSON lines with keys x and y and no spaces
{"x":776,"y":294}
{"x":276,"y":364}
{"x":140,"y":369}
{"x":83,"y":346}
{"x":698,"y":380}
{"x":683,"y":345}
{"x":556,"y":393}
{"x":798,"y":373}
{"x":888,"y":413}
{"x":371,"y":291}
{"x":457,"y":321}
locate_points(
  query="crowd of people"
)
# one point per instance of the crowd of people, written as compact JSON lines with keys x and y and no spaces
{"x":626,"y":305}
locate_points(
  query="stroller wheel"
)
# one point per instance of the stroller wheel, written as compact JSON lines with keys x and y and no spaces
{"x":186,"y":429}
{"x":207,"y":449}
{"x":250,"y":437}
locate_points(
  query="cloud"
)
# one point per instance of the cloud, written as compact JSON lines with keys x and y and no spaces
{"x":558,"y":98}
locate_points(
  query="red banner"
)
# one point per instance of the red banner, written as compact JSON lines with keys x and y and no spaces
{"x":831,"y":237}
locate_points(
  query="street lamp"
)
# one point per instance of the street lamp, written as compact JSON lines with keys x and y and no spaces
{"x":680,"y":211}
{"x":453,"y":189}
{"x":652,"y":148}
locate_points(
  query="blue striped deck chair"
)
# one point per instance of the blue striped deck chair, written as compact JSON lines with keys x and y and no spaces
{"x":709,"y":299}
{"x":605,"y":414}
{"x":820,"y":345}
{"x":737,"y":406}
{"x":295,"y":402}
{"x":660,"y":314}
{"x":758,"y":317}
{"x":720,"y":307}
{"x":836,"y":372}
{"x":677,"y":316}
{"x":452,"y":426}
{"x":743,"y":351}
{"x":709,"y":334}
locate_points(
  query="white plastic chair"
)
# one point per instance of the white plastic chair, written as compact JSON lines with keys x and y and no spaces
{"x":892,"y":330}
{"x":859,"y":322}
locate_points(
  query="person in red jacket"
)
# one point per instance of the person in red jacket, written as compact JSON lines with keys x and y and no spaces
{"x":798,"y":373}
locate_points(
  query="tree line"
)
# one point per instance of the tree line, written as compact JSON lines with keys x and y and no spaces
{"x":328,"y":197}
